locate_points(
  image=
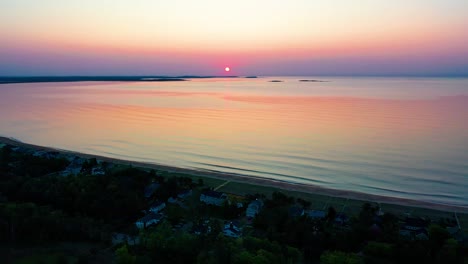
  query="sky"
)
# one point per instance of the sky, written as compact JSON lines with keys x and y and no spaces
{"x":261,"y":37}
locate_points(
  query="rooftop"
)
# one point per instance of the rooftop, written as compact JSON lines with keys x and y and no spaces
{"x":212,"y":193}
{"x":150,"y":217}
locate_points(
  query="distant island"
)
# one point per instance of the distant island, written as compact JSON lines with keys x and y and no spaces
{"x":41,"y":79}
{"x":305,"y":80}
{"x":275,"y":81}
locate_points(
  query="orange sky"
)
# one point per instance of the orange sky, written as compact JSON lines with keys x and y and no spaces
{"x":253,"y":37}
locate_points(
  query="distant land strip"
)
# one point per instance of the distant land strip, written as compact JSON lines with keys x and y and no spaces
{"x":43,"y":79}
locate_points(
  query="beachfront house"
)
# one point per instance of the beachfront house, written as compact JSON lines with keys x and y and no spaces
{"x":46,"y":154}
{"x":253,"y":208}
{"x":148,"y":220}
{"x":23,"y":150}
{"x":157,"y":206}
{"x":213,"y":197}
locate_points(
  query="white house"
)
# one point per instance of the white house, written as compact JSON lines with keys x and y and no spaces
{"x":149,"y":219}
{"x":213,"y":197}
{"x":157,"y":207}
{"x":254,"y":208}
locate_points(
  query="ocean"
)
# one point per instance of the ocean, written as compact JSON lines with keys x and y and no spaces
{"x":396,"y":137}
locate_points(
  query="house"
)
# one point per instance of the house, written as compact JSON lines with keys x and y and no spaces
{"x":46,"y":154}
{"x":315,"y":214}
{"x":231,"y":230}
{"x":414,"y":224}
{"x":184,"y":194}
{"x":157,"y":206}
{"x":414,"y":228}
{"x":405,"y":233}
{"x":341,"y":219}
{"x":23,"y":150}
{"x":253,"y":208}
{"x":172,"y":200}
{"x":76,"y":163}
{"x":97,"y":171}
{"x":421,"y":236}
{"x":148,"y":220}
{"x":151,"y":189}
{"x":213,"y":197}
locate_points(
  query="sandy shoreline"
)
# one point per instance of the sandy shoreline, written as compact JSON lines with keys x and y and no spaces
{"x":306,"y":188}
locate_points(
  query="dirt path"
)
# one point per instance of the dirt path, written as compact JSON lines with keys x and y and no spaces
{"x":221,"y":185}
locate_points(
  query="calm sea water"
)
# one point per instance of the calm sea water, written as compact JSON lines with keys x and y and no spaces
{"x":396,"y":137}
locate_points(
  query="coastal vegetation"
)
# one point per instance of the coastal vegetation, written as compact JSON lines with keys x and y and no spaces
{"x":46,"y":203}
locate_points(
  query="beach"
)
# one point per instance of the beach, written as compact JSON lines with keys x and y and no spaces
{"x":266,"y":185}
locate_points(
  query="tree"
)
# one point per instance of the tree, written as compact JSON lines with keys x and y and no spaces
{"x":93,"y":162}
{"x":303,"y":203}
{"x":331,"y":215}
{"x":437,"y":238}
{"x":448,"y":252}
{"x":438,"y":234}
{"x":123,"y":256}
{"x":280,"y":199}
{"x":338,"y":257}
{"x":5,"y":154}
{"x":376,"y":252}
{"x":390,"y":227}
{"x":367,"y":214}
{"x":152,"y":174}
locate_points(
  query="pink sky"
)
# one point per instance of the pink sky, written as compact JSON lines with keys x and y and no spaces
{"x":334,"y":37}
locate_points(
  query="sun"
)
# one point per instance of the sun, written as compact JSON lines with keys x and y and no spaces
{"x":227,"y":69}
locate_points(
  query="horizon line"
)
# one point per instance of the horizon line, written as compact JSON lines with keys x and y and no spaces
{"x":188,"y":76}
